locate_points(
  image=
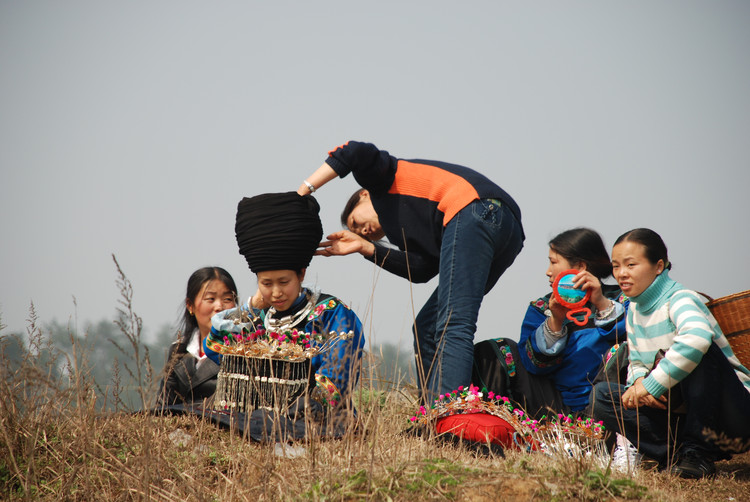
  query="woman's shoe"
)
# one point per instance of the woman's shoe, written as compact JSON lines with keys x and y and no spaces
{"x":693,"y":465}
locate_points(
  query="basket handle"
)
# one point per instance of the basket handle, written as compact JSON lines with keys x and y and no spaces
{"x":705,"y":296}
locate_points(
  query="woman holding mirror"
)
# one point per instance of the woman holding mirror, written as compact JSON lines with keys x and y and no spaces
{"x":556,"y":359}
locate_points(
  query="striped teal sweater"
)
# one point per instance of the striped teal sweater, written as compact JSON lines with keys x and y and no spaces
{"x":667,"y":316}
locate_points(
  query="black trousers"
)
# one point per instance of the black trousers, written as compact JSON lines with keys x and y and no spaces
{"x":535,"y":394}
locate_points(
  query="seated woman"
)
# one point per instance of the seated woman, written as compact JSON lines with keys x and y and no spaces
{"x":278,"y":235}
{"x":687,"y":396}
{"x":189,"y":377}
{"x":555,"y":361}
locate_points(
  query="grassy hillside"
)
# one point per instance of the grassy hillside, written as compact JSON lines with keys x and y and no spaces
{"x":57,"y":443}
{"x":67,"y":435}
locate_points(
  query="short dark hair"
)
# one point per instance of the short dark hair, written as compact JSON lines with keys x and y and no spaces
{"x":583,"y":245}
{"x":350,"y":205}
{"x":655,"y":248}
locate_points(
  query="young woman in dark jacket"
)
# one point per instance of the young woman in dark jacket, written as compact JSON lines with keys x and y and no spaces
{"x":189,"y":376}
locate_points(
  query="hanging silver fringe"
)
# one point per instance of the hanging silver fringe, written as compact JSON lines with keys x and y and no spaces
{"x":245,"y":383}
{"x":248,"y":383}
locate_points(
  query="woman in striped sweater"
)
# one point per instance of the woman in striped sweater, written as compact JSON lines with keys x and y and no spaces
{"x":687,"y":399}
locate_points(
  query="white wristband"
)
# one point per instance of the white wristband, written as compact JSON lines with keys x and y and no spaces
{"x":309,"y":186}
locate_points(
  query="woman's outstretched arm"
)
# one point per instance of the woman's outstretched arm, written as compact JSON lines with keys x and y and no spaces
{"x":320,"y":177}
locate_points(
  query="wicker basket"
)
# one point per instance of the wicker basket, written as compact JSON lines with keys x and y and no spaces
{"x":733,"y":315}
{"x":248,"y":383}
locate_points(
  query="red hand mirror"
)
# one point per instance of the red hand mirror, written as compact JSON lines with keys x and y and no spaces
{"x":571,"y":298}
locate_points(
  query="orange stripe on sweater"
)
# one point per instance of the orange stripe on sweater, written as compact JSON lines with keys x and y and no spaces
{"x":450,"y":191}
{"x":337,"y":148}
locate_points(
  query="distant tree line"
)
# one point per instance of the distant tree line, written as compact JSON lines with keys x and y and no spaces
{"x":103,"y":356}
{"x":110,"y":361}
{"x":100,"y":357}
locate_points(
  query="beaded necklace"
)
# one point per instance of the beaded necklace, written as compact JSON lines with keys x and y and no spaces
{"x":289,"y":321}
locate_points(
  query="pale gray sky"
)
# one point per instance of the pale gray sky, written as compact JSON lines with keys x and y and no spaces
{"x":135,"y":127}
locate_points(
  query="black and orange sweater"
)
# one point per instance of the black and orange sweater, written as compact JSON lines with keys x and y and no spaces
{"x":414,"y":200}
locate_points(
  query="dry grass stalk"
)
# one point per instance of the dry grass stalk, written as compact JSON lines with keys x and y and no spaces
{"x":56,"y":443}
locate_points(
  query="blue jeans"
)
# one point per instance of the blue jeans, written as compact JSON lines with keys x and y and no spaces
{"x":478,"y":245}
{"x":714,"y":424}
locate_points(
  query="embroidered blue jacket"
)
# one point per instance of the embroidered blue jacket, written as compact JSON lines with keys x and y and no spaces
{"x":340,"y":363}
{"x":577,"y":357}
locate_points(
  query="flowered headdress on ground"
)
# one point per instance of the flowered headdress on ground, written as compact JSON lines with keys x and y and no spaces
{"x":551,"y":434}
{"x":466,"y":400}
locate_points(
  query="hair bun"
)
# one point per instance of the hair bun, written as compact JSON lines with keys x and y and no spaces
{"x":278,"y":231}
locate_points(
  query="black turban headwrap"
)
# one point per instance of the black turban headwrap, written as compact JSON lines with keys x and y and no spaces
{"x":278,"y":231}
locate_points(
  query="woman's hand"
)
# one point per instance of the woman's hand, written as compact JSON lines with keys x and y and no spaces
{"x":637,"y":395}
{"x":559,"y":311}
{"x":587,"y":281}
{"x":343,"y":243}
{"x":258,"y":301}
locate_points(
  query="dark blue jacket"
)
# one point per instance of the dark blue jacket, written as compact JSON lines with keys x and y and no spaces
{"x":414,"y":200}
{"x":574,"y":368}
